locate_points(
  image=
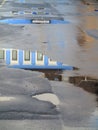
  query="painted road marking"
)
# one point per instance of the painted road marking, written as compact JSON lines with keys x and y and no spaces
{"x":2,"y":3}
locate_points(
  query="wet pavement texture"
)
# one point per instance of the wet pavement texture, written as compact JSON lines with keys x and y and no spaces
{"x":74,"y":43}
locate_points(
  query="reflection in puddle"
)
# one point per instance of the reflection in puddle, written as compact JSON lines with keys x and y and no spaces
{"x":27,"y":12}
{"x":89,"y":84}
{"x":26,"y":59}
{"x":41,"y":13}
{"x":21,"y":1}
{"x":33,"y":21}
{"x":53,"y":74}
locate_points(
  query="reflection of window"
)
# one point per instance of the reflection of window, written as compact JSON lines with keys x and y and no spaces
{"x":14,"y":55}
{"x":39,"y":56}
{"x":1,"y":54}
{"x":51,"y":62}
{"x":27,"y":55}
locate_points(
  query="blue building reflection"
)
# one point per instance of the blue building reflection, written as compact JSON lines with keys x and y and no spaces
{"x":26,"y":59}
{"x":33,"y":21}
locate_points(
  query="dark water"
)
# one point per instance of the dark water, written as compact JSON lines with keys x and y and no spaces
{"x":55,"y":75}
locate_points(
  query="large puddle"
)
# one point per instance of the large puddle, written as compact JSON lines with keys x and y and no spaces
{"x":34,"y":61}
{"x":73,"y":40}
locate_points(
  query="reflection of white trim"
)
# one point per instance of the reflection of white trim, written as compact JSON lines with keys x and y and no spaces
{"x":14,"y":61}
{"x":38,"y":62}
{"x":52,"y":62}
{"x":41,"y":21}
{"x":26,"y":62}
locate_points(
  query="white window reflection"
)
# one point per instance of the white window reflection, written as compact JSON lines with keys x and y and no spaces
{"x":14,"y":55}
{"x":39,"y":56}
{"x":51,"y":62}
{"x":27,"y":55}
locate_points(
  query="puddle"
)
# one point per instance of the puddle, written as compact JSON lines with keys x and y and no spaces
{"x":16,"y":21}
{"x":34,"y":61}
{"x":89,"y":84}
{"x":22,"y":1}
{"x":29,"y":12}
